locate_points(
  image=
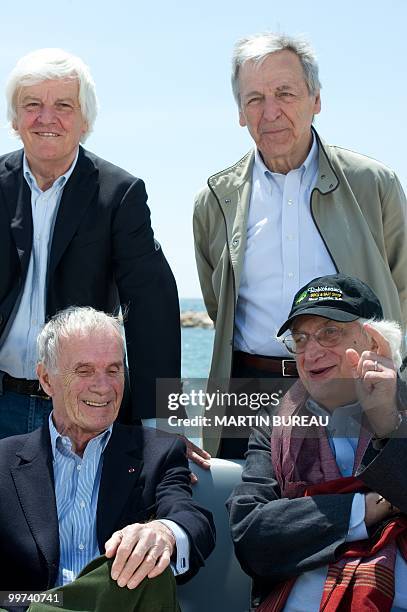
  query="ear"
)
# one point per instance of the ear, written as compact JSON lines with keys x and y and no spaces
{"x":317,"y":104}
{"x":242,"y":119}
{"x":85,"y":126}
{"x":44,"y":379}
{"x":373,"y":344}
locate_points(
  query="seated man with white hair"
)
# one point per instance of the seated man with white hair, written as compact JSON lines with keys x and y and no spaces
{"x":319,"y":519}
{"x":83,"y":486}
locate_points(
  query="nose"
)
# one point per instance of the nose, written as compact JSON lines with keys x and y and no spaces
{"x":271,"y":109}
{"x":313,"y":350}
{"x":46,"y":114}
{"x":100,"y":384}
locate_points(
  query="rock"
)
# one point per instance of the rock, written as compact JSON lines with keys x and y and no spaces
{"x":191,"y":318}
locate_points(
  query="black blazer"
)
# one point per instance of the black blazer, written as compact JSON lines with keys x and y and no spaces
{"x":103,"y":254}
{"x":145,"y":475}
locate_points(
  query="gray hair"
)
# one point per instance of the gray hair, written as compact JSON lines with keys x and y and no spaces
{"x":259,"y":46}
{"x":47,"y":64}
{"x":80,"y":320}
{"x":391,"y":331}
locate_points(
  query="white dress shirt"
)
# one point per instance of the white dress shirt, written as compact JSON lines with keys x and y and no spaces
{"x":284,"y":251}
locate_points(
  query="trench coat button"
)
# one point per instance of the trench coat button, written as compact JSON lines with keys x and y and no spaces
{"x":227,"y":201}
{"x":235,"y":242}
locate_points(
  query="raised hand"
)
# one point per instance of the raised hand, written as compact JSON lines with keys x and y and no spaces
{"x":377,"y":378}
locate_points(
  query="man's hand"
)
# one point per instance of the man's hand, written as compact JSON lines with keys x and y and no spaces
{"x":377,"y":509}
{"x":140,"y":550}
{"x":198,"y":456}
{"x":377,"y":388}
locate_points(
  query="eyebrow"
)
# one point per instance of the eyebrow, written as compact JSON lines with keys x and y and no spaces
{"x":254,"y":92}
{"x":87,"y":364}
{"x":284,"y":87}
{"x":37,"y":99}
{"x":330,"y":323}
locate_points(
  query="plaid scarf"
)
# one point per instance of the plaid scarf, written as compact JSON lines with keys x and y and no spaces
{"x":362,"y":578}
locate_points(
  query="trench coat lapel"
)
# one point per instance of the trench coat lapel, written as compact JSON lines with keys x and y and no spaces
{"x":233,"y":196}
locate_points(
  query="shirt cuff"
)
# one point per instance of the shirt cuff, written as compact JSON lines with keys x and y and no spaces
{"x":357,"y":528}
{"x":150,"y":423}
{"x":182,"y":547}
{"x":162,"y":425}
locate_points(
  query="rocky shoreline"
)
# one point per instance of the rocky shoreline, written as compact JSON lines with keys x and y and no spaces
{"x":191,"y":318}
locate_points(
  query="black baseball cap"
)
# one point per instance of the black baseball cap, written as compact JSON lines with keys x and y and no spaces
{"x":337,"y":297}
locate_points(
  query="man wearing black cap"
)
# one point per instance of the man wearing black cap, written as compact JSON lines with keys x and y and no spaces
{"x":318,"y":521}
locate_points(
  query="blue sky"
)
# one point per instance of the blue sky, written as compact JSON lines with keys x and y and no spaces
{"x":162,"y":76}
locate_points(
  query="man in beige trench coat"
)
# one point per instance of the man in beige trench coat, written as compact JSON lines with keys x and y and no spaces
{"x":291,"y":209}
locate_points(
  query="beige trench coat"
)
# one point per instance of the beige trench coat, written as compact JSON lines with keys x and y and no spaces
{"x":359,"y":208}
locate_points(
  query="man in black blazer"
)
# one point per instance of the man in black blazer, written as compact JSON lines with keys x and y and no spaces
{"x":83,"y":479}
{"x":74,"y":230}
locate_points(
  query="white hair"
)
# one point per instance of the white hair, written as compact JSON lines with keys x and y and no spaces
{"x":259,"y":46}
{"x":48,"y":64}
{"x":391,"y":331}
{"x":75,"y":320}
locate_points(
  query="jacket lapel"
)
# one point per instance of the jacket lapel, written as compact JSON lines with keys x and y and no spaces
{"x":34,"y":481}
{"x":232,"y":190}
{"x":17,"y":197}
{"x":331,"y":201}
{"x":76,"y":197}
{"x":122,"y":465}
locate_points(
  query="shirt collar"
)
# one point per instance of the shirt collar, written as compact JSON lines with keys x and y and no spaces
{"x":344,"y":420}
{"x":103,"y":437}
{"x":308,"y":165}
{"x":59,"y":182}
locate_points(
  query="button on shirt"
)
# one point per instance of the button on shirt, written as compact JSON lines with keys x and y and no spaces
{"x":77,"y":482}
{"x":284,"y":251}
{"x":18,"y":355}
{"x":343,"y":435}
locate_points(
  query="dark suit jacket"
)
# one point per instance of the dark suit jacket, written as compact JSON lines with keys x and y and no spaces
{"x":277,"y":538}
{"x":102,"y":254}
{"x":145,"y":475}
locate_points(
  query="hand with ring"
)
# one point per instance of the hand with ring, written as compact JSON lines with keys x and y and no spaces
{"x":140,"y":550}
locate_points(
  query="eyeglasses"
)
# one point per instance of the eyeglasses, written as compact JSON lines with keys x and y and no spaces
{"x":326,"y":336}
{"x":61,"y":109}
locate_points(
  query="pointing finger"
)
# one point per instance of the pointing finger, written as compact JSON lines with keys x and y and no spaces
{"x":353,"y":358}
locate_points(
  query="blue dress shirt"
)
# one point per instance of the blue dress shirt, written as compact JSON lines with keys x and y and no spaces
{"x":77,"y":482}
{"x":18,"y":354}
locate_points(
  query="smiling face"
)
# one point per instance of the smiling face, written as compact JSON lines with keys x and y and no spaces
{"x":321,"y":369}
{"x":277,"y":109}
{"x":50,"y":124}
{"x":87,"y":388}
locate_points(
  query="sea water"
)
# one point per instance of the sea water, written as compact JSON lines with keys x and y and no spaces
{"x":197,"y":343}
